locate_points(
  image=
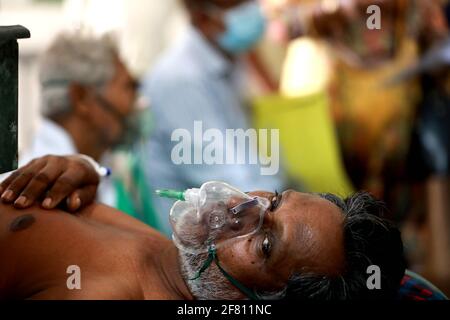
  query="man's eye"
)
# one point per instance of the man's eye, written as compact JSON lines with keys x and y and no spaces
{"x":266,"y":246}
{"x":275,"y":201}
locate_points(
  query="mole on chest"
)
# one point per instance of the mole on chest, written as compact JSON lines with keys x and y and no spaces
{"x":22,"y":222}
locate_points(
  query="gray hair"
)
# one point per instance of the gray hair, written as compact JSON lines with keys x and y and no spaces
{"x":74,"y":58}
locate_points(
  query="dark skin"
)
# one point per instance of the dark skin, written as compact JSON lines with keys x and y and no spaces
{"x":121,"y":258}
{"x":305,"y":235}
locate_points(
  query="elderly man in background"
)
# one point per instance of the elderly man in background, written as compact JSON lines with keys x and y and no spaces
{"x":87,"y":97}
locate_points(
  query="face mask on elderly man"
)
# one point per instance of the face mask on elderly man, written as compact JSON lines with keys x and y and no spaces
{"x":207,"y":218}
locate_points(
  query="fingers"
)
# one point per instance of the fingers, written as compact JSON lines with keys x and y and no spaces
{"x":18,"y":180}
{"x":6,"y":195}
{"x":5,"y":183}
{"x":69,"y":181}
{"x":81,"y":198}
{"x":38,"y":185}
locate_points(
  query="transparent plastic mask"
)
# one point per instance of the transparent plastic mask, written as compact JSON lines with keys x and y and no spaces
{"x":214,"y":215}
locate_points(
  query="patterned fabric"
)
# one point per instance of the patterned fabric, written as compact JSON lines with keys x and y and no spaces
{"x":414,"y":287}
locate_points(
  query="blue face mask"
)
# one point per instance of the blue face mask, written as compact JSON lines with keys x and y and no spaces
{"x":245,"y":25}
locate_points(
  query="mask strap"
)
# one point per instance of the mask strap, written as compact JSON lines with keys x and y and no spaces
{"x":212,"y":256}
{"x":205,"y":265}
{"x":244,"y":206}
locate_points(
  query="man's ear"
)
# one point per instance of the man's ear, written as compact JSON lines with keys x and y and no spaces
{"x":78,"y":96}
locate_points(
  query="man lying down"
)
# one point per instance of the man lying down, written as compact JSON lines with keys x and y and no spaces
{"x":291,"y":245}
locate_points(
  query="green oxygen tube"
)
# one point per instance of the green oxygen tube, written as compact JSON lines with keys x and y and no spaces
{"x":171,"y":194}
{"x":189,"y":195}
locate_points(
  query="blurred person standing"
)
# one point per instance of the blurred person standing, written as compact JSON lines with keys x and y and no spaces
{"x":198,"y":79}
{"x":432,"y":157}
{"x":393,"y":128}
{"x":429,"y":152}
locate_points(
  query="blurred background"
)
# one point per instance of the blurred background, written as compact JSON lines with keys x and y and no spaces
{"x":357,"y":108}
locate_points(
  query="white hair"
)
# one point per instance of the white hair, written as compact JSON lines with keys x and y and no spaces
{"x":74,"y":58}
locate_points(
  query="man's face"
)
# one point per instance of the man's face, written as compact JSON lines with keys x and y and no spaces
{"x":114,"y":104}
{"x":304,"y":233}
